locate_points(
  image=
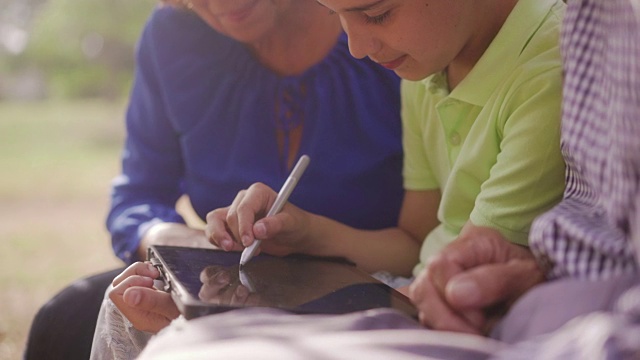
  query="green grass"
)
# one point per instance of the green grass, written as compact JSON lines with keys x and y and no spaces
{"x":56,"y":163}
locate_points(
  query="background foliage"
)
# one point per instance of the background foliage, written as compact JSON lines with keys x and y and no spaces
{"x":69,"y":48}
{"x":65,"y":69}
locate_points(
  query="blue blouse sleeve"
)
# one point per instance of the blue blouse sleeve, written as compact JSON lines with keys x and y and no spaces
{"x":152,"y":168}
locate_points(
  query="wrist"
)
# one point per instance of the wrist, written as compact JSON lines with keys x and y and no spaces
{"x":314,"y":236}
{"x":326,"y":237}
{"x":169,"y":233}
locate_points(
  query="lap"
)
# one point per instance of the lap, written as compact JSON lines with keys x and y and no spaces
{"x":267,"y":333}
{"x":385,"y":333}
{"x":75,"y":306}
{"x":549,"y":306}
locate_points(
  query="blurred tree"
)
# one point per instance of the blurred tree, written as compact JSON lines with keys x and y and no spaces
{"x":15,"y":20}
{"x":84,"y":48}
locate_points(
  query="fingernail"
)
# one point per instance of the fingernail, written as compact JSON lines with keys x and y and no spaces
{"x":260,"y":230}
{"x":242,"y":291}
{"x":465,"y":292}
{"x":222,"y":278}
{"x":227,"y":244}
{"x":134,"y":298}
{"x":245,"y":240}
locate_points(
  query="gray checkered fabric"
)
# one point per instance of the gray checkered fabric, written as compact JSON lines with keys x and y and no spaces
{"x":591,"y":233}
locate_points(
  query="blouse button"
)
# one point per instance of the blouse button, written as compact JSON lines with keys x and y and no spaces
{"x":454,"y":138}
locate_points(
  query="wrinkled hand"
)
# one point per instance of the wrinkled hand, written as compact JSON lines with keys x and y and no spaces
{"x":236,"y":226}
{"x":221,"y":286}
{"x":472,"y":283}
{"x":133,"y":293}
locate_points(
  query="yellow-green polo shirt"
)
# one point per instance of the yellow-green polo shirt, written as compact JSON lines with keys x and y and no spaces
{"x":492,"y":145}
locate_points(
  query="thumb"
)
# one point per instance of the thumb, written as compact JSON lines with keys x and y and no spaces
{"x":269,"y":227}
{"x":493,"y":284}
{"x":151,"y":300}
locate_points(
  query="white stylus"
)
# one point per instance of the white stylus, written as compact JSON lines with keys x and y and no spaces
{"x":281,"y":199}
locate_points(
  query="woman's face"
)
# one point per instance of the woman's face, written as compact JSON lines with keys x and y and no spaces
{"x":414,"y":38}
{"x":243,"y":20}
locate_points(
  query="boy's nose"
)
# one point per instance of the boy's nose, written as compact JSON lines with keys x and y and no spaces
{"x":361,"y":42}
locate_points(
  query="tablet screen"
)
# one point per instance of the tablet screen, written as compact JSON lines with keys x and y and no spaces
{"x":205,"y":281}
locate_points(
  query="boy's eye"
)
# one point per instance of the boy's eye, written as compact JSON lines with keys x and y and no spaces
{"x":376,"y":20}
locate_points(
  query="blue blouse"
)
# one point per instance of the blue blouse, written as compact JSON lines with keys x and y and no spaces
{"x":202,"y":121}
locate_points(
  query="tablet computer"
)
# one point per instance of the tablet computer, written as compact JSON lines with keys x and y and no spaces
{"x":207,"y":281}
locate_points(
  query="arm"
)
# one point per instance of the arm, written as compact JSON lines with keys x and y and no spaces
{"x":395,"y":249}
{"x":146,"y":192}
{"x":475,"y":279}
{"x":527,"y":178}
{"x":295,"y":230}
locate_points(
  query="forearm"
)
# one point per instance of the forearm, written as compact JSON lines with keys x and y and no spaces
{"x":174,"y":234}
{"x":128,"y":222}
{"x":391,"y":249}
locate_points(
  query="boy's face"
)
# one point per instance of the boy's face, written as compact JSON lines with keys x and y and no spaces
{"x":414,"y":38}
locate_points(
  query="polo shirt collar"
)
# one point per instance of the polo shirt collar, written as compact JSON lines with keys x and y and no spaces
{"x":501,"y":57}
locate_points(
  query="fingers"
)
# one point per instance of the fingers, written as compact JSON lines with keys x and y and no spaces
{"x":441,"y":268}
{"x":151,"y":300}
{"x":255,"y":204}
{"x":473,"y":281}
{"x":133,"y":280}
{"x":433,"y":310}
{"x":215,"y":280}
{"x":484,"y":294}
{"x":478,"y":245}
{"x":231,"y":228}
{"x":493,"y":283}
{"x":266,"y":228}
{"x":148,"y":309}
{"x":487,"y":269}
{"x":287,"y":231}
{"x":138,"y":268}
{"x":217,"y":231}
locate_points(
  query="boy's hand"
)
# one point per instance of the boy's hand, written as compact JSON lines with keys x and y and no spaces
{"x":147,"y":308}
{"x":473,"y":282}
{"x":237,"y":226}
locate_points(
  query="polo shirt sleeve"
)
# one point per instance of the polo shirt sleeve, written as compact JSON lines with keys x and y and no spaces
{"x":417,"y":173}
{"x":528,"y":176}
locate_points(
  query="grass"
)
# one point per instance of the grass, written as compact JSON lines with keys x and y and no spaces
{"x":56,"y":163}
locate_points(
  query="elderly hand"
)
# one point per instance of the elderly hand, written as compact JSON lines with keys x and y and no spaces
{"x":472,"y":283}
{"x":133,"y":293}
{"x":236,"y":226}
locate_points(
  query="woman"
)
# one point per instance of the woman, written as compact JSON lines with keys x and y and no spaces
{"x":233,"y":92}
{"x":227,"y":93}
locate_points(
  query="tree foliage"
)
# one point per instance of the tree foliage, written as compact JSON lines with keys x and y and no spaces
{"x":86,"y":48}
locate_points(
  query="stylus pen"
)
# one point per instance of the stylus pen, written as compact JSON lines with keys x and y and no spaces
{"x":281,"y":199}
